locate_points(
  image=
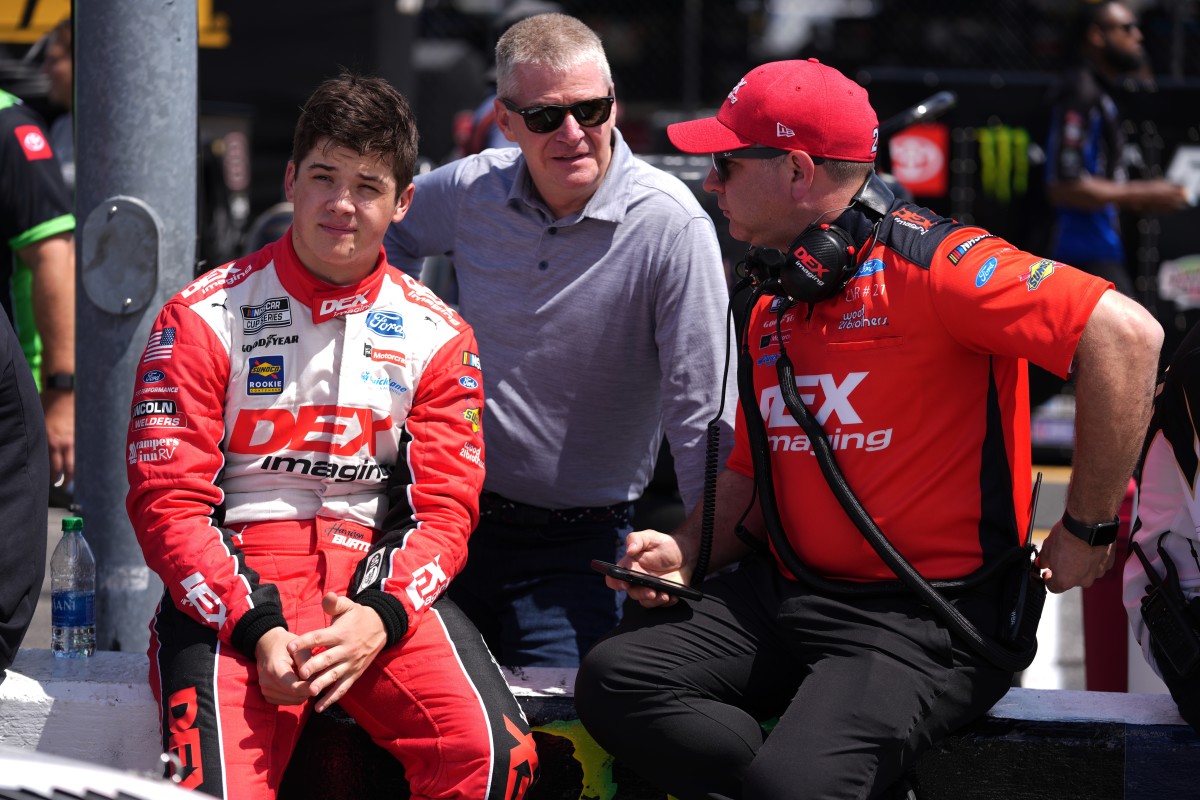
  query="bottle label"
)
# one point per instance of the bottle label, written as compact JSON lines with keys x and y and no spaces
{"x":73,"y":609}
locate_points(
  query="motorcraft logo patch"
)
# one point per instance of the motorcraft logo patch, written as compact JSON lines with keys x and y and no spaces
{"x":274,"y":313}
{"x":387,"y":356}
{"x":266,"y":376}
{"x":386,"y":323}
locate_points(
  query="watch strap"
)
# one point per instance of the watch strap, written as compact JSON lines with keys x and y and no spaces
{"x":1095,"y":534}
{"x":62,"y":381}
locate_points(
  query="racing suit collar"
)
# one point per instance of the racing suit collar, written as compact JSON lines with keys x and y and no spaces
{"x":326,"y":300}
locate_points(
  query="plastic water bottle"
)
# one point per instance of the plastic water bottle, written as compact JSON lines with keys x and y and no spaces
{"x":73,"y":594}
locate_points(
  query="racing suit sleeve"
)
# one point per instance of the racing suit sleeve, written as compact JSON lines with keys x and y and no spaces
{"x":694,"y":336}
{"x":433,"y":493}
{"x":1002,"y":300}
{"x":174,"y":462}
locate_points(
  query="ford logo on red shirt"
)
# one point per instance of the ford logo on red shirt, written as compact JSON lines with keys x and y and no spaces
{"x":386,"y":323}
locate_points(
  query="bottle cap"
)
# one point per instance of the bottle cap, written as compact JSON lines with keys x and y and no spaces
{"x":72,"y":524}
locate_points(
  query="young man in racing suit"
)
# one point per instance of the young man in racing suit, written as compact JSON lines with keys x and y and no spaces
{"x":305,"y":457}
{"x":908,"y":332}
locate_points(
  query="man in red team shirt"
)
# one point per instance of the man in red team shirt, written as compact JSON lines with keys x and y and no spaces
{"x":305,"y":458}
{"x":908,"y":334}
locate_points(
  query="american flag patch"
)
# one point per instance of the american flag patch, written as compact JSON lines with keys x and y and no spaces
{"x":160,"y":345}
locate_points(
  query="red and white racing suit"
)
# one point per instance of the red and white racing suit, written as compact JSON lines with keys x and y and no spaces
{"x":287,"y":438}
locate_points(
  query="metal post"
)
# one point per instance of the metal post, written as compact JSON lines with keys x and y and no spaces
{"x":136,"y":123}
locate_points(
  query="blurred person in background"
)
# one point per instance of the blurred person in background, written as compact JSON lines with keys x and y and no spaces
{"x":37,"y":246}
{"x":23,"y":496}
{"x":58,"y":64}
{"x":1088,"y":163}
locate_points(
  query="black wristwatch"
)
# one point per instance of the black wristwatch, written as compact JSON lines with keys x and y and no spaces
{"x":1095,"y":534}
{"x":62,"y":381}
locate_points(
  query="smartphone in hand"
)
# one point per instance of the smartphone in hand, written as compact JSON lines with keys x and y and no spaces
{"x":646,"y":579}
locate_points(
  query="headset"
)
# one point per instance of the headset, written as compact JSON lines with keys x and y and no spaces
{"x":822,"y":259}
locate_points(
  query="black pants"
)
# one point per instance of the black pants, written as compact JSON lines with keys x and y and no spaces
{"x":860,"y":687}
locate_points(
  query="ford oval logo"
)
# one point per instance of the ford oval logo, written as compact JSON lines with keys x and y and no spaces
{"x":154,"y":376}
{"x":985,"y":272}
{"x":468,"y":382}
{"x":386,"y":323}
{"x":869,"y":268}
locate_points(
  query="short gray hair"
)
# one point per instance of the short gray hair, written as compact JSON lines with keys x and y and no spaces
{"x":555,"y":41}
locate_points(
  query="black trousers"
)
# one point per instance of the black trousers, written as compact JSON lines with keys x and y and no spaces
{"x":861,"y":686}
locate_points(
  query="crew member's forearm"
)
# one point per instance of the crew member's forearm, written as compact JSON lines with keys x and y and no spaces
{"x":1117,"y":364}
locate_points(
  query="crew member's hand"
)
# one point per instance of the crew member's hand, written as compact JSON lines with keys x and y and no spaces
{"x":59,"y":409}
{"x":1067,"y":561}
{"x":277,"y":669}
{"x":331,"y":659}
{"x":655,"y":553}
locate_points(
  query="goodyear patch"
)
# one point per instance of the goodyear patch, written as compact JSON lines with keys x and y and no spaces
{"x":266,"y":375}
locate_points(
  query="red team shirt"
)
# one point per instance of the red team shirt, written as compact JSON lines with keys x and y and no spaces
{"x":917,"y":373}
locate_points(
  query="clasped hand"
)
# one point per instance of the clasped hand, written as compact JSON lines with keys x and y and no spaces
{"x":322,"y":663}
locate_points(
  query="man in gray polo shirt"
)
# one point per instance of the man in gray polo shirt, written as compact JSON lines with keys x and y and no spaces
{"x":595,"y":286}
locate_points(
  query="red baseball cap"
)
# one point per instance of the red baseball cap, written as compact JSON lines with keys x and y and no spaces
{"x":791,"y":105}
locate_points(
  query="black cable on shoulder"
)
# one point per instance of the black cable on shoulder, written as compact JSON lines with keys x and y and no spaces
{"x":756,"y":433}
{"x":712,"y":453}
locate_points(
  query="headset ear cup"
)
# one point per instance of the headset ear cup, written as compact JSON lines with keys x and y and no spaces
{"x":820,"y":262}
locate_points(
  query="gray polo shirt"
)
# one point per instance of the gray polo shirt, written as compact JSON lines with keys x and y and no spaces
{"x":597,"y":332}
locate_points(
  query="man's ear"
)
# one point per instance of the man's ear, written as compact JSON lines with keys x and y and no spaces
{"x":803,"y":172}
{"x":502,"y":120}
{"x":289,"y":182}
{"x":403,"y":202}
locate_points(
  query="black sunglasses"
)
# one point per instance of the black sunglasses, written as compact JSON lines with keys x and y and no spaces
{"x":721,"y":160}
{"x":547,"y":119}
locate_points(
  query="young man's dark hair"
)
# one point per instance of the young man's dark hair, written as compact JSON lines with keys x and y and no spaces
{"x":364,"y":114}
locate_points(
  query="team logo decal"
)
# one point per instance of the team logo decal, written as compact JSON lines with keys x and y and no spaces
{"x":266,"y":375}
{"x":386,"y":323}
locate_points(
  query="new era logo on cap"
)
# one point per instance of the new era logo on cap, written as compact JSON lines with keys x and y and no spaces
{"x":792,"y":105}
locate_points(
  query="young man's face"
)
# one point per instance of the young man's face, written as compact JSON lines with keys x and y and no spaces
{"x":567,"y":164}
{"x":344,"y":203}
